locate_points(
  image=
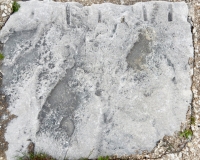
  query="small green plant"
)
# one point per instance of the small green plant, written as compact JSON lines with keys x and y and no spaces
{"x":192,"y":120}
{"x":15,"y":6}
{"x":103,"y":158}
{"x":87,"y":156}
{"x":1,"y":56}
{"x":35,"y":156}
{"x":187,"y":133}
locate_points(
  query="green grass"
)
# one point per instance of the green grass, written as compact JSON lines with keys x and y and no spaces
{"x":44,"y":156}
{"x":192,"y":120}
{"x":186,"y":133}
{"x":15,"y":6}
{"x":35,"y":156}
{"x":103,"y":158}
{"x":1,"y":56}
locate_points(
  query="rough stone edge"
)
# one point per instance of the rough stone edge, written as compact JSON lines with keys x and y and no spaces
{"x":6,"y":116}
{"x":170,"y":147}
{"x":5,"y":11}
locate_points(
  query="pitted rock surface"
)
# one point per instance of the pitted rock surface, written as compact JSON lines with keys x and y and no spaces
{"x":105,"y":79}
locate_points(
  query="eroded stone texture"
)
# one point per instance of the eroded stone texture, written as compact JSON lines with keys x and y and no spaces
{"x":104,"y":79}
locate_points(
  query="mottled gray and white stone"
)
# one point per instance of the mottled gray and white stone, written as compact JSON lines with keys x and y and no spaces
{"x":104,"y":79}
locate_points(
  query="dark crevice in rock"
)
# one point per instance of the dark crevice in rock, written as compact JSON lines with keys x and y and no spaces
{"x":170,"y":16}
{"x":144,"y":13}
{"x":68,"y":14}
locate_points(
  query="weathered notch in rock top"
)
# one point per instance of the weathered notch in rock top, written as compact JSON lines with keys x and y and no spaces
{"x":170,"y":15}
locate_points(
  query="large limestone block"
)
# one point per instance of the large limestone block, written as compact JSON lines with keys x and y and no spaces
{"x":104,"y":79}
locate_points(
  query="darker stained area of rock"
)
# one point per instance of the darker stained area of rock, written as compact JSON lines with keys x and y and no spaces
{"x":136,"y":58}
{"x":57,"y":114}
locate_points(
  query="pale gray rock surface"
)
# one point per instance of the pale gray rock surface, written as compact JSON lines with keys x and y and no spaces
{"x":104,"y":79}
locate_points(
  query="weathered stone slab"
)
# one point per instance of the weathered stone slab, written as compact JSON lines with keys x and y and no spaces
{"x":105,"y":79}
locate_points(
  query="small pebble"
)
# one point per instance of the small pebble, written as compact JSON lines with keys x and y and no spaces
{"x":192,"y":150}
{"x":4,"y":19}
{"x":3,"y":15}
{"x":2,"y":7}
{"x":180,"y":154}
{"x":189,"y":144}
